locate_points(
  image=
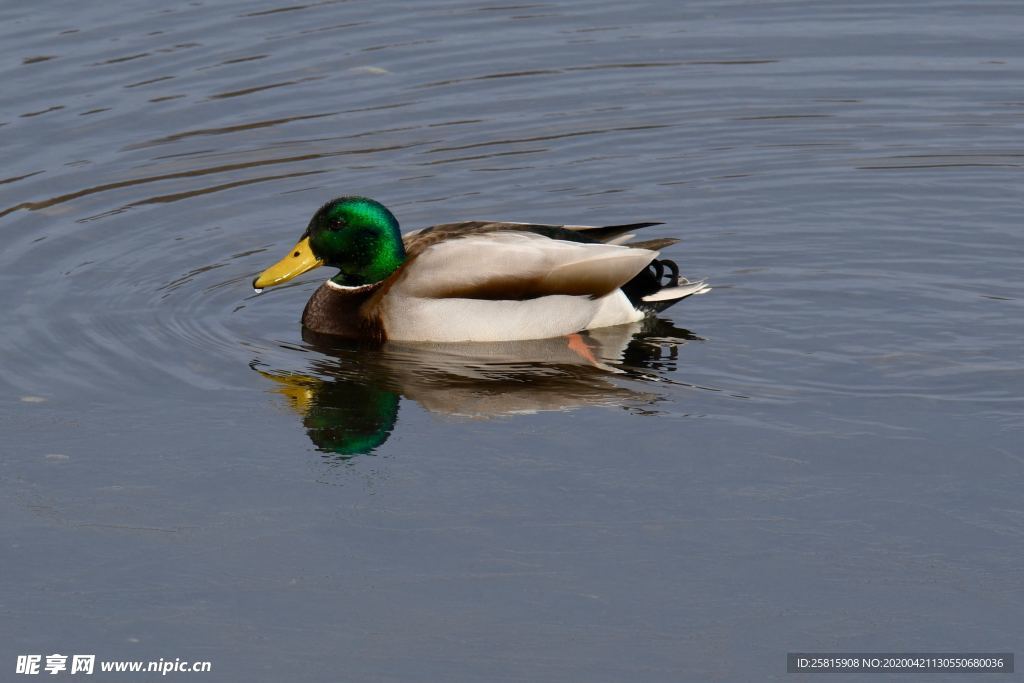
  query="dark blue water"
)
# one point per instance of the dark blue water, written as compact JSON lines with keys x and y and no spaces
{"x":824,"y":453}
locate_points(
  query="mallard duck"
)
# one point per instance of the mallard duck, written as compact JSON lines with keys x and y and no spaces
{"x":481,"y":281}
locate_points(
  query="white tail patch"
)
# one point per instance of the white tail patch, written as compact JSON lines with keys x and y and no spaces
{"x":678,"y":292}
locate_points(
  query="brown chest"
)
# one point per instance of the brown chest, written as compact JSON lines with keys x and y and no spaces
{"x":343,"y":313}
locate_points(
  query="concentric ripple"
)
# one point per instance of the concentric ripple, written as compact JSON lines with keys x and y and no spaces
{"x":149,"y":172}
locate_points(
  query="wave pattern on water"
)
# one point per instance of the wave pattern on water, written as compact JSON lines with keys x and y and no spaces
{"x":855,"y":211}
{"x":826,"y":445}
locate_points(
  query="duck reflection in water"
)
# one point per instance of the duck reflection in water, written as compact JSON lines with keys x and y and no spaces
{"x":349,"y":400}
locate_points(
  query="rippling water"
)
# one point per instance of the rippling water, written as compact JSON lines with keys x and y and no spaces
{"x":823,"y":453}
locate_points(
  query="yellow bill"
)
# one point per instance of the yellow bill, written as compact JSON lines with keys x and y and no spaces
{"x":300,"y":260}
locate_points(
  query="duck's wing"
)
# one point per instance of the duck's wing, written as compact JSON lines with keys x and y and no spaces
{"x":608,"y":234}
{"x":506,"y":264}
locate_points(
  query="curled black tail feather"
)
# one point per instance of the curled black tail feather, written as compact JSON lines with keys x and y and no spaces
{"x":650,"y":280}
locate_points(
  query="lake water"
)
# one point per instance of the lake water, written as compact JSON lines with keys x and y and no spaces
{"x":824,"y":453}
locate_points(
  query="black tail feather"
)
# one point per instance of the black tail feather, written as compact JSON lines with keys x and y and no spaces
{"x":653,"y":245}
{"x":610,"y":232}
{"x":650,"y":280}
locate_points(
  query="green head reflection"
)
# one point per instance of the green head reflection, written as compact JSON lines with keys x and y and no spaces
{"x":341,"y":417}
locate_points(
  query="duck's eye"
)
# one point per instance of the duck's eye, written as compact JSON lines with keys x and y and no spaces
{"x":337,"y":224}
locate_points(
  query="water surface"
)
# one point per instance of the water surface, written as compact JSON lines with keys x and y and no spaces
{"x":822,"y":454}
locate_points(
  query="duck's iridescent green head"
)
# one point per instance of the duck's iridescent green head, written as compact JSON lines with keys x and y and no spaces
{"x":357,"y":235}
